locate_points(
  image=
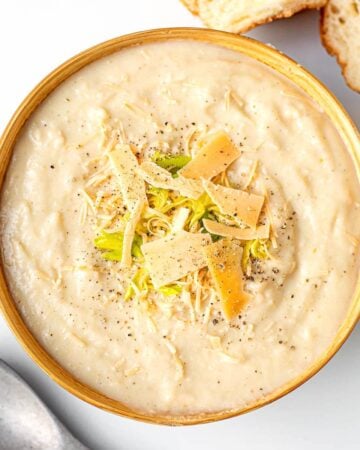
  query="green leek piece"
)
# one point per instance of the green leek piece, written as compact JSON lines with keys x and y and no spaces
{"x":256,"y":249}
{"x":136,"y":246}
{"x":199,"y":209}
{"x":172,"y":163}
{"x":139,"y":282}
{"x":109,"y":241}
{"x":113,"y":243}
{"x":158,"y":197}
{"x":259,"y":249}
{"x":171,"y":289}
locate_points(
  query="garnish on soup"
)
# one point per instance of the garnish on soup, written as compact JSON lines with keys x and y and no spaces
{"x":181,"y":215}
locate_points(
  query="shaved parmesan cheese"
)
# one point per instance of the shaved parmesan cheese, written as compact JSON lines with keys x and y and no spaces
{"x":186,"y":298}
{"x":224,"y":262}
{"x":129,"y":234}
{"x":234,"y":202}
{"x":174,"y":256}
{"x":270,"y":218}
{"x":217,"y":153}
{"x":179,"y":219}
{"x":158,"y":177}
{"x":251,"y":174}
{"x":125,"y":165}
{"x":88,"y":200}
{"x":216,"y":344}
{"x":244,"y":234}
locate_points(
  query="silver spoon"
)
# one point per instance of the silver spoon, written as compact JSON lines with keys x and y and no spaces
{"x":25,"y":422}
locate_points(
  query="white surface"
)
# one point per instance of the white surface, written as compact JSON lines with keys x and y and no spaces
{"x":36,"y":36}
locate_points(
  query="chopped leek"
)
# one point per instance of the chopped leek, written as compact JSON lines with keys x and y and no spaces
{"x":175,"y":202}
{"x":113,"y":255}
{"x":208,"y":215}
{"x":109,"y":241}
{"x":255,"y":249}
{"x":136,"y":246}
{"x":129,"y":293}
{"x":245,"y":260}
{"x":259,"y":249}
{"x":139,"y":283}
{"x":157,"y":197}
{"x":211,"y":216}
{"x":113,"y":243}
{"x":172,"y":163}
{"x":166,"y":201}
{"x":171,"y":289}
{"x":199,"y":208}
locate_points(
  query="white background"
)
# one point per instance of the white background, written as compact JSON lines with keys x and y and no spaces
{"x":35,"y":37}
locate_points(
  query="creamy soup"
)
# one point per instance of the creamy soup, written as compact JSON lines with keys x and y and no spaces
{"x":175,"y":284}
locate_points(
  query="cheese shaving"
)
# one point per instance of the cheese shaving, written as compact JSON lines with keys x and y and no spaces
{"x":251,"y":175}
{"x":174,"y":256}
{"x":161,"y":178}
{"x":88,"y":200}
{"x":198,"y":290}
{"x":170,"y":346}
{"x":234,"y":202}
{"x":83,"y":213}
{"x":186,"y":298}
{"x":179,"y":219}
{"x":125,"y":165}
{"x":214,"y":157}
{"x":207,"y":314}
{"x":244,"y":234}
{"x":224,"y":262}
{"x":270,"y":219}
{"x":129,"y":234}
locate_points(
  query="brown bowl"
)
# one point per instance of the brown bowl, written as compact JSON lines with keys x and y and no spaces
{"x":261,"y":52}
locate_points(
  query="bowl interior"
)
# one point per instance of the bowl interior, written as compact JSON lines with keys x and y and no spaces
{"x":246,"y":46}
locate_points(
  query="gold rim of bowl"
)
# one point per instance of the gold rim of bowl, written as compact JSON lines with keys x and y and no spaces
{"x":254,"y":49}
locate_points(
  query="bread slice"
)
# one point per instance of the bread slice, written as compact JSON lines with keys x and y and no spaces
{"x":192,"y":5}
{"x":340,"y":34}
{"x":239,"y":16}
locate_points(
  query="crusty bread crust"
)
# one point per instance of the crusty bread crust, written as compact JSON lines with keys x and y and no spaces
{"x":332,"y":49}
{"x":286,"y":14}
{"x":193,"y":7}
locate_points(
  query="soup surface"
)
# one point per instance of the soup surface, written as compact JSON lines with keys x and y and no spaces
{"x":179,"y":228}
